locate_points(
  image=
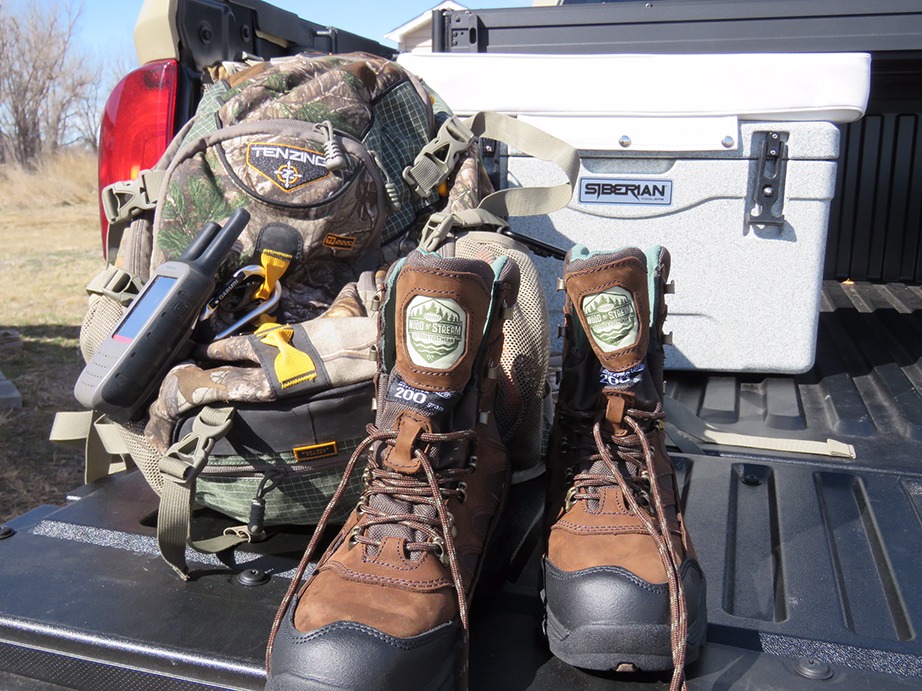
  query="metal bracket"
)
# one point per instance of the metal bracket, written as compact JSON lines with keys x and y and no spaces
{"x":768,"y":194}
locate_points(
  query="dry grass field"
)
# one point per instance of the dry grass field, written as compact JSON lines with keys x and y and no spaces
{"x":49,"y":249}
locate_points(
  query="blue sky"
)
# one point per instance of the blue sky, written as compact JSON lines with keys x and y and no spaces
{"x":108,"y":25}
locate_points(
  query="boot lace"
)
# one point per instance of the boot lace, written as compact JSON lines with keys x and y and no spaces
{"x":627,"y":461}
{"x":430,"y":487}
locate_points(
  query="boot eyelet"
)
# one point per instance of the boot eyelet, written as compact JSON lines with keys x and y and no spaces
{"x":643,"y":499}
{"x":472,"y":463}
{"x":569,"y":502}
{"x":462,"y":489}
{"x":360,"y":507}
{"x":440,"y":551}
{"x":356,"y":529}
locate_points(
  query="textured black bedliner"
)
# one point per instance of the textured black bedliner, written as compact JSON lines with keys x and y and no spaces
{"x":865,"y":389}
{"x":813,"y":564}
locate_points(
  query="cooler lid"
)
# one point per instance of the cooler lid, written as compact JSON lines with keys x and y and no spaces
{"x":752,"y":86}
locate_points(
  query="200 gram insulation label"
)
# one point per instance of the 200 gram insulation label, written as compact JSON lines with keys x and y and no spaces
{"x":623,"y":191}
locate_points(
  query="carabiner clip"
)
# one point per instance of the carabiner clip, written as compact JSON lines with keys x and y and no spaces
{"x":240,"y":275}
{"x":267,"y":306}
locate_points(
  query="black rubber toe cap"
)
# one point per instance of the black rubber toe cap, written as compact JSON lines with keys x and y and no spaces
{"x":350,"y":655}
{"x":605,"y":617}
{"x":614,"y":594}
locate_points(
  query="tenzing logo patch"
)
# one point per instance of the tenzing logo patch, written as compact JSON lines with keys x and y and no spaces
{"x":611,"y":318}
{"x":436,"y":331}
{"x":287,"y":167}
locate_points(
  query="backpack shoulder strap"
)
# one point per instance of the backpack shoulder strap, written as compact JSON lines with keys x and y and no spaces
{"x":436,"y":161}
{"x":527,"y":201}
{"x":180,"y":468}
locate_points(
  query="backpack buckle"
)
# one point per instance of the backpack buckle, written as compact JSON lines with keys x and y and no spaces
{"x":116,"y":284}
{"x":122,"y":201}
{"x":186,"y":459}
{"x":436,"y":230}
{"x":436,"y":160}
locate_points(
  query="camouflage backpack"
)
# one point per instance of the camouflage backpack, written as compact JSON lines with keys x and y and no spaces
{"x":344,"y":163}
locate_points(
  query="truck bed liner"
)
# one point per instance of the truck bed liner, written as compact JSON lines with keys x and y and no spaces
{"x":812,"y":563}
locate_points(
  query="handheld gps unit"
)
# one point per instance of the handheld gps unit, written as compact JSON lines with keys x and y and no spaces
{"x":155,"y":331}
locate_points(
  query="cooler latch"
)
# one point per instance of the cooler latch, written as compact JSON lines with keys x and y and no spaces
{"x":768,"y":192}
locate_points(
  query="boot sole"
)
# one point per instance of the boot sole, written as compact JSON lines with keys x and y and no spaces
{"x":612,"y":646}
{"x":446,"y":681}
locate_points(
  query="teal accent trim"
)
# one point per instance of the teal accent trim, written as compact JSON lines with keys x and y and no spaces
{"x":652,"y":254}
{"x":580,"y":252}
{"x":389,"y":357}
{"x":498,"y":265}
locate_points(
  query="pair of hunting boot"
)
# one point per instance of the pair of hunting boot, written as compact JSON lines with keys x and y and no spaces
{"x":387,"y":605}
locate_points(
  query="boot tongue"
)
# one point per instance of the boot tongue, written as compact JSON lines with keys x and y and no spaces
{"x":417,"y":412}
{"x":608,"y":293}
{"x":613,"y":326}
{"x":441,"y":310}
{"x":441,"y":307}
{"x":433,"y":324}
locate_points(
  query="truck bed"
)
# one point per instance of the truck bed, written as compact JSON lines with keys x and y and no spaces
{"x":812,"y":563}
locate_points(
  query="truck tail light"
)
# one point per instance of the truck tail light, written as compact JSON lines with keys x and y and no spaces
{"x":137,"y":125}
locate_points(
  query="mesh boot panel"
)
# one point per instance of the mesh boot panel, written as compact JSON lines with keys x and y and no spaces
{"x":520,"y":399}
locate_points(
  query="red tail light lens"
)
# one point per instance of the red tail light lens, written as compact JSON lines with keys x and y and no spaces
{"x":137,"y":125}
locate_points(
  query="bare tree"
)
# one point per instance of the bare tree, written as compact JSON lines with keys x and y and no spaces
{"x":3,"y":51}
{"x":67,"y":101}
{"x":45,"y":81}
{"x":88,"y":110}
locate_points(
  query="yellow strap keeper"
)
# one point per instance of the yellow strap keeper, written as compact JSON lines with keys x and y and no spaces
{"x":275,"y":264}
{"x":292,"y":366}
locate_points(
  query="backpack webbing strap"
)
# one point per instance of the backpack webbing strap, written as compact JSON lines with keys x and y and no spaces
{"x":520,"y":201}
{"x":180,"y":468}
{"x":440,"y":225}
{"x":115,"y":283}
{"x":683,"y":422}
{"x":527,"y":201}
{"x":123,"y":200}
{"x":104,"y":448}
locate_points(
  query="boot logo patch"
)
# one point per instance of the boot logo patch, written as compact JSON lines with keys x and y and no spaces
{"x":436,"y":330}
{"x":611,"y":318}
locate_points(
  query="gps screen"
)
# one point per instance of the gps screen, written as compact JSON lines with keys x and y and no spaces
{"x":142,"y":308}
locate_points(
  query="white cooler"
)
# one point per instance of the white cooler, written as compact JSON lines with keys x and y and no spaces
{"x":729,"y":161}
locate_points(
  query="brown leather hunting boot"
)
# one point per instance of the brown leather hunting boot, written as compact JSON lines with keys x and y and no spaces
{"x":387,"y":605}
{"x":622,"y":586}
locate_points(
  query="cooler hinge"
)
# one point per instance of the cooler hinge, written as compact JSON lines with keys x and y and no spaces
{"x":768,"y":188}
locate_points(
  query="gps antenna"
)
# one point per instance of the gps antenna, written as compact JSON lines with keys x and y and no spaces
{"x":217,"y":250}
